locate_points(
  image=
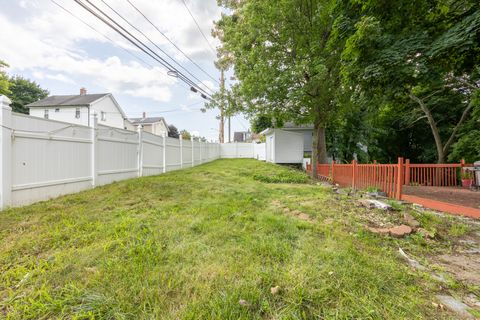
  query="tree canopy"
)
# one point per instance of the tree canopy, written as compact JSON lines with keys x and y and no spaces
{"x":378,"y":79}
{"x":23,"y":92}
{"x":282,"y":57}
{"x":4,"y":81}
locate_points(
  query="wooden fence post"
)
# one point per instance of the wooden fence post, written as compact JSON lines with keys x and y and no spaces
{"x":399,"y":180}
{"x":407,"y":172}
{"x":354,"y":173}
{"x":332,"y":173}
{"x":5,"y":153}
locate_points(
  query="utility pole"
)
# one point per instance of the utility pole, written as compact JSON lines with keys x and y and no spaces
{"x":221,"y":130}
{"x":229,"y":130}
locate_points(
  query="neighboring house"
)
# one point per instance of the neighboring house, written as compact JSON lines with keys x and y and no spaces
{"x":306,"y":130}
{"x":154,"y":125}
{"x":283,"y":146}
{"x":242,"y":136}
{"x":77,"y":109}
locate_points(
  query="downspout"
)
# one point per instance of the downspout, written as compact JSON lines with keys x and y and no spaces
{"x":88,"y":107}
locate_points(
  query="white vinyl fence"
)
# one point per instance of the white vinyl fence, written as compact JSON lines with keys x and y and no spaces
{"x":260,"y":151}
{"x":42,"y":159}
{"x":236,"y":150}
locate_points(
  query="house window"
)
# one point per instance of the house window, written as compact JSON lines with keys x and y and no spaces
{"x":77,"y":113}
{"x":57,"y":109}
{"x":103,"y":116}
{"x":45,"y":115}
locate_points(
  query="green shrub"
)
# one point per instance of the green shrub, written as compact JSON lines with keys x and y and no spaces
{"x":282,"y":177}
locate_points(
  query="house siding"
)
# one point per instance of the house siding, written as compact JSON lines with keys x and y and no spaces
{"x":113,"y":117}
{"x":65,"y":114}
{"x":68,"y":113}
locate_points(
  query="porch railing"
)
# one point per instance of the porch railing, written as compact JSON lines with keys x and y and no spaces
{"x":390,"y":178}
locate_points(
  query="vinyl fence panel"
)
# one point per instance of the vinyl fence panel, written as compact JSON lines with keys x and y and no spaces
{"x":237,"y":150}
{"x":187,"y":153}
{"x":152,"y":151}
{"x":173,"y":154}
{"x":117,"y":154}
{"x":48,"y":158}
{"x":260,"y":151}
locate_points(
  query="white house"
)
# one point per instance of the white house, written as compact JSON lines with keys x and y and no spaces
{"x":154,"y":125}
{"x":283,"y":146}
{"x":77,"y":109}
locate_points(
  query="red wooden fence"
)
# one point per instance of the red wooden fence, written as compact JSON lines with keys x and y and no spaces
{"x":390,"y":178}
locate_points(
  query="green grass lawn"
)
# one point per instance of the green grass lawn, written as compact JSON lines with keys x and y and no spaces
{"x":191,"y":244}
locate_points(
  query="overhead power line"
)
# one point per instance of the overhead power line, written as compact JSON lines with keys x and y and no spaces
{"x":162,"y":61}
{"x":153,"y":43}
{"x":103,"y":35}
{"x":140,"y":45}
{"x":171,"y":42}
{"x":199,"y":29}
{"x":110,"y":39}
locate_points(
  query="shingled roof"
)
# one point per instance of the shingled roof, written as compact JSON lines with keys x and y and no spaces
{"x":148,"y":120}
{"x":68,"y":100}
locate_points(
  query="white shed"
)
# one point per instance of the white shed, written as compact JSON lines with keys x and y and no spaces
{"x":283,"y":146}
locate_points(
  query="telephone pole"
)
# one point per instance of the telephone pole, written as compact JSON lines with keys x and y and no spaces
{"x":221,"y":132}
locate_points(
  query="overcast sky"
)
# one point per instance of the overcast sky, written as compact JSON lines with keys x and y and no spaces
{"x":42,"y":42}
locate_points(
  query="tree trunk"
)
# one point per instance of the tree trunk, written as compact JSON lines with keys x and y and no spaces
{"x":442,"y":150}
{"x":322,"y":145}
{"x":433,"y":126}
{"x":319,"y":146}
{"x":314,"y":151}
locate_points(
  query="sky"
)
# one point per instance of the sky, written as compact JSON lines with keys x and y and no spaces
{"x":44,"y":43}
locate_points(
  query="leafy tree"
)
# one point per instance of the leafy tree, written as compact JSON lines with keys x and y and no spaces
{"x":285,"y":64}
{"x":173,"y":131}
{"x":422,"y":59}
{"x":23,"y":92}
{"x":468,"y":145}
{"x":4,"y":83}
{"x":185,"y":135}
{"x":260,"y":123}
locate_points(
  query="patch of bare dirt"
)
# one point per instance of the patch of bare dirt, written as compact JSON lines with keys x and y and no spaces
{"x":464,"y":262}
{"x":293,"y":213}
{"x":463,"y":267}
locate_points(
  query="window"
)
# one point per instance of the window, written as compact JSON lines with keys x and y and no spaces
{"x":103,"y":116}
{"x":77,"y":113}
{"x":57,"y":110}
{"x":45,"y":115}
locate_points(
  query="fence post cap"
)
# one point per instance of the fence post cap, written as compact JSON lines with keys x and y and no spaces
{"x":5,"y":101}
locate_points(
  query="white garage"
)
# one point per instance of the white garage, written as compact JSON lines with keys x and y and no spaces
{"x":283,"y":146}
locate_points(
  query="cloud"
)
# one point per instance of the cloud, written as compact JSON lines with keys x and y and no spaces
{"x":51,"y":44}
{"x":58,"y":77}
